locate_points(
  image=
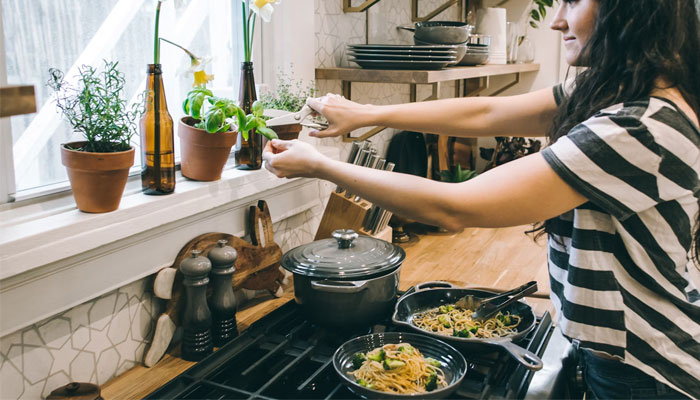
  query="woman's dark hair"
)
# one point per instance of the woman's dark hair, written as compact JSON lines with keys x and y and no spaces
{"x":634,"y":43}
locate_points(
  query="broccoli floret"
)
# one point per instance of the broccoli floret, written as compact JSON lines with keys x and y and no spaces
{"x":504,"y":318}
{"x":390,"y":363}
{"x":406,"y":349}
{"x":431,"y":384}
{"x":444,"y":320}
{"x":364,"y":383}
{"x":473,"y":329}
{"x":433,"y":362}
{"x":443,"y":309}
{"x":463,"y":333}
{"x":357,"y":360}
{"x":378,"y":356}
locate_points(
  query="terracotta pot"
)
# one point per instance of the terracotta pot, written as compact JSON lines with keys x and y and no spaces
{"x":285,"y":132}
{"x":203,"y":154}
{"x":97,"y":179}
{"x":288,"y":132}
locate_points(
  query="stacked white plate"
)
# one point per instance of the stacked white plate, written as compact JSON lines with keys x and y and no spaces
{"x":390,"y":56}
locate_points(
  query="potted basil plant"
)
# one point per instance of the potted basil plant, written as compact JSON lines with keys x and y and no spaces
{"x":97,"y":166}
{"x":209,"y":129}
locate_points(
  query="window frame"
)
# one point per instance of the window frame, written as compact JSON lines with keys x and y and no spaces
{"x":8,"y":186}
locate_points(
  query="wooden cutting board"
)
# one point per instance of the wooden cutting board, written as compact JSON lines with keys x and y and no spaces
{"x":257,"y":268}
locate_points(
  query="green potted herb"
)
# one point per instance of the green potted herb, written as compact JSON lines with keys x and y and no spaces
{"x":208,"y":131}
{"x":457,"y":174}
{"x":99,"y":165}
{"x":290,"y":96}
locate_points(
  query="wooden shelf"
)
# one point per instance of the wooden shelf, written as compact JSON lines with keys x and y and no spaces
{"x":421,"y":77}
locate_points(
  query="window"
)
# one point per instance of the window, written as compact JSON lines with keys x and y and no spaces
{"x":65,"y":34}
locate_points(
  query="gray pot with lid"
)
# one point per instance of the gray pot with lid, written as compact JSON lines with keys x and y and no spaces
{"x":348,"y":280}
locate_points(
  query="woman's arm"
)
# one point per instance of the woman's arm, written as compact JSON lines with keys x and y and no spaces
{"x":523,"y":115}
{"x":523,"y":191}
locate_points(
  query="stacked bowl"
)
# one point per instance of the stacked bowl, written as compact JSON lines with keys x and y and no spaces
{"x":477,"y":50}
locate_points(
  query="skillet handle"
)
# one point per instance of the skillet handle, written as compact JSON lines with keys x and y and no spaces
{"x":407,"y":28}
{"x":525,"y":357}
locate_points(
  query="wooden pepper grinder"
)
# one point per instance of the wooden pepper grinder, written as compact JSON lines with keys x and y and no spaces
{"x":196,"y":340}
{"x":222,"y":301}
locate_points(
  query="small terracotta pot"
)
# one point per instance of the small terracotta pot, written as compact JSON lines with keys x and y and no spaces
{"x":287,"y":132}
{"x":202,"y":154}
{"x":97,"y":179}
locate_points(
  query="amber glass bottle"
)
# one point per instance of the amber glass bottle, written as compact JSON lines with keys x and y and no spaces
{"x":157,"y":145}
{"x":248,"y":153}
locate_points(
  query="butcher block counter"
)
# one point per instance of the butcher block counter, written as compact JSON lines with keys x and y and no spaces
{"x":501,"y":258}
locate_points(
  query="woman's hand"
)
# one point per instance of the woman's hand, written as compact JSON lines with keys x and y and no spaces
{"x":342,"y":114}
{"x":292,"y":159}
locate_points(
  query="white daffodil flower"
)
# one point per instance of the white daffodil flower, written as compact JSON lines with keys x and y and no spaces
{"x":263,"y":8}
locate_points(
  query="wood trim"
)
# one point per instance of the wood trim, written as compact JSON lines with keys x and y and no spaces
{"x":421,"y":76}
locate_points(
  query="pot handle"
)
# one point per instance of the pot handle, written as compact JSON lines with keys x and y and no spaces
{"x":338,"y":286}
{"x":407,"y":28}
{"x":524,"y":356}
{"x":434,"y":285}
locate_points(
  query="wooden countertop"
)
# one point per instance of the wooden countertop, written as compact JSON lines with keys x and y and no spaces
{"x":501,"y":258}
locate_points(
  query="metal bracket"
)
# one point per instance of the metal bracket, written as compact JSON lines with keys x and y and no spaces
{"x":508,"y":86}
{"x":436,"y":11}
{"x":472,"y":87}
{"x":348,"y":7}
{"x":347,"y":92}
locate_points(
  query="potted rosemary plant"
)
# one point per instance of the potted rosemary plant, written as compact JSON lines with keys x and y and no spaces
{"x":207,"y":132}
{"x":99,"y":165}
{"x":290,"y":95}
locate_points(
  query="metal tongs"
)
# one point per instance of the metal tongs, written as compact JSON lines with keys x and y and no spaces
{"x":487,"y":307}
{"x":297,"y":118}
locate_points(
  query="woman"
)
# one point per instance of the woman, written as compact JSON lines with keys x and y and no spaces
{"x":617,"y":186}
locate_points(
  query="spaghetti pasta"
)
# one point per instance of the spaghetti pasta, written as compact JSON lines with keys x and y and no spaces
{"x":398,"y":368}
{"x":449,"y":320}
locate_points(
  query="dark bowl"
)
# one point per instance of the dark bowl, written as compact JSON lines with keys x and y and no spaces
{"x":453,"y":363}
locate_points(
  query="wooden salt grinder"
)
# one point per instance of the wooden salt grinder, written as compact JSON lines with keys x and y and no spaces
{"x":222,"y":301}
{"x":196,"y":339}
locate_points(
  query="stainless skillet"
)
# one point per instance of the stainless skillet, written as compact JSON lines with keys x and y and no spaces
{"x":427,"y":296}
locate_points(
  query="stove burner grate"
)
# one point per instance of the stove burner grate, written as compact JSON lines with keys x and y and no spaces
{"x":285,"y":356}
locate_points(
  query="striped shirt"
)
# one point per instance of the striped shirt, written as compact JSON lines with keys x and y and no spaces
{"x":619,"y":264}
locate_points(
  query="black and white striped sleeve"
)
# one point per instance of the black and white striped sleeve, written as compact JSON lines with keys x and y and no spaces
{"x":615,"y":161}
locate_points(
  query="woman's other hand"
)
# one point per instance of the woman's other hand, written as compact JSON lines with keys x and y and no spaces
{"x":343,"y":115}
{"x":292,"y":158}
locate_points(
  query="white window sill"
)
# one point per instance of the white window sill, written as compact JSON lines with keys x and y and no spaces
{"x":53,"y":256}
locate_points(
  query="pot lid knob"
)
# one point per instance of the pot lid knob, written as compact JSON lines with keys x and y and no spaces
{"x":345,"y":237}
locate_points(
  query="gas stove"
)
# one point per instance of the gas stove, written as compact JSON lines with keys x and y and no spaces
{"x":286,"y":356}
